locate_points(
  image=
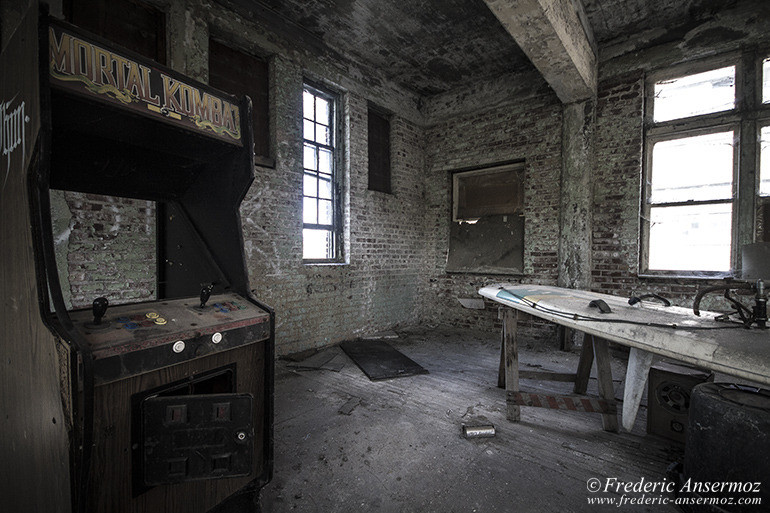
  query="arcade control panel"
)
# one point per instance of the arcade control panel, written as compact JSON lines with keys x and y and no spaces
{"x":128,"y":340}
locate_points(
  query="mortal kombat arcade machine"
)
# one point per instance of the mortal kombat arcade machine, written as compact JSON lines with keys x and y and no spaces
{"x":168,"y":401}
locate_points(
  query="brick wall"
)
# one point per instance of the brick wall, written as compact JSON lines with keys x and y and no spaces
{"x":528,"y":128}
{"x":617,"y":184}
{"x":377,"y":288}
{"x":109,"y":248}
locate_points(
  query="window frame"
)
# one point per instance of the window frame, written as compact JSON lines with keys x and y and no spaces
{"x":335,"y":117}
{"x":745,"y":119}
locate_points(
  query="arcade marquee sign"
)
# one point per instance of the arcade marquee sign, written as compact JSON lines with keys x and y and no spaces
{"x":81,"y":65}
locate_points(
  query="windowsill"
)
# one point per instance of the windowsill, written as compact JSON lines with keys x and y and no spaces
{"x":685,"y":276}
{"x":324,"y":264}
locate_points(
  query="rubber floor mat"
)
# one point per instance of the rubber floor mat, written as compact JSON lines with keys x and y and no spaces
{"x":379,"y":360}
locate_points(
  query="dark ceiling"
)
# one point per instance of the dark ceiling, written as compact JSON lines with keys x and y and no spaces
{"x":433,"y":46}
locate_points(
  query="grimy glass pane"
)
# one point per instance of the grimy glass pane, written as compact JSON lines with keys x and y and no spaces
{"x":322,"y":111}
{"x":693,"y":95}
{"x":690,"y":238}
{"x":310,"y":210}
{"x":764,"y":161}
{"x":324,"y":161}
{"x":324,"y":212}
{"x":766,"y":80}
{"x":323,"y":135}
{"x":308,"y":130}
{"x":316,"y":244}
{"x":692,"y":168}
{"x":309,"y":158}
{"x":307,"y":105}
{"x":325,"y":189}
{"x":310,"y":187}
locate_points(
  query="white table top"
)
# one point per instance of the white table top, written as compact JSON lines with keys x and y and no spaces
{"x":672,"y":332}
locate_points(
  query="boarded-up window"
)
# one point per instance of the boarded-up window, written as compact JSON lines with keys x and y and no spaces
{"x":239,"y":73}
{"x":487,"y":232}
{"x":130,"y":24}
{"x":379,"y":151}
{"x":490,"y":191}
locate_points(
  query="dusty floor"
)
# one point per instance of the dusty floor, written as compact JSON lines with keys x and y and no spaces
{"x":401,"y":448}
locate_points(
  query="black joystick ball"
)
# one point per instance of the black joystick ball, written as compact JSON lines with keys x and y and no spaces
{"x":99,"y":308}
{"x":205,"y":294}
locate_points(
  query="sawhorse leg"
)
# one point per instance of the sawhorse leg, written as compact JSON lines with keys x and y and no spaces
{"x":639,"y":362}
{"x":511,"y":346}
{"x":604,"y":377}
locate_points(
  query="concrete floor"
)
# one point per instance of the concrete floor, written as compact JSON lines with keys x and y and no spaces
{"x":401,"y":448}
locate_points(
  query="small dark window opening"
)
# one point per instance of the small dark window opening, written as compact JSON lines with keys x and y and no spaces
{"x":239,"y":73}
{"x":379,"y":151}
{"x":130,"y":24}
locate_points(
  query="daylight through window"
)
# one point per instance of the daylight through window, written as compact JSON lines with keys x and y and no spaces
{"x":320,"y":235}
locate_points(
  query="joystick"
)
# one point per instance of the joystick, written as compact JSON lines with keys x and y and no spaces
{"x":99,"y":308}
{"x":206,"y":294}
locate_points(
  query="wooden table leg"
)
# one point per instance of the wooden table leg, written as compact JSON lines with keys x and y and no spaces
{"x":639,"y":362}
{"x":510,"y":321}
{"x":501,"y":369}
{"x":604,"y":377}
{"x":584,"y":365}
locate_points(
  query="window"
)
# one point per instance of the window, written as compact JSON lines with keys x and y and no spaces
{"x":698,"y":188}
{"x":321,"y":234}
{"x":487,"y":230}
{"x":239,"y":73}
{"x":379,"y":151}
{"x":132,"y":24}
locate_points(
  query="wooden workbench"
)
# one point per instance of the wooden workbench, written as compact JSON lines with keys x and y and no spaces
{"x":648,"y":328}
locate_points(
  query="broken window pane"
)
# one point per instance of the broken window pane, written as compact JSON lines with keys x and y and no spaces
{"x":764,"y":161}
{"x":690,"y":237}
{"x":693,"y":95}
{"x":692,"y":168}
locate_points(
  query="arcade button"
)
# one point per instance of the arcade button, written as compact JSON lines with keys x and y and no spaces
{"x":123,"y":319}
{"x":160,"y":320}
{"x":131,"y":326}
{"x":152,"y":315}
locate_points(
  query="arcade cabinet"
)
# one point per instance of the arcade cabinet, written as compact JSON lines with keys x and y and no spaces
{"x":167,"y":402}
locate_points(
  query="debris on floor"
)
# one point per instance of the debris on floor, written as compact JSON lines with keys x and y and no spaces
{"x":348,"y":407}
{"x":486,"y":431}
{"x":328,"y":359}
{"x":378,"y":360}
